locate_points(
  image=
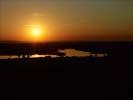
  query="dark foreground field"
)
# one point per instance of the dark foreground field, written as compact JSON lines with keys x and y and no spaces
{"x":65,"y":76}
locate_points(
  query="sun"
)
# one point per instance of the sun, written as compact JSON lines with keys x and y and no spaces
{"x":36,"y":32}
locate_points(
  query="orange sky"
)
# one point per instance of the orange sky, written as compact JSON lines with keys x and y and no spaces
{"x":61,"y":20}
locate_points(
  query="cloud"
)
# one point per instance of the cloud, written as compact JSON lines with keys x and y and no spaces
{"x":38,"y":14}
{"x":32,"y":25}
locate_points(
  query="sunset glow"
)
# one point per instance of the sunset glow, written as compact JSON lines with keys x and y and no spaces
{"x":66,"y":20}
{"x":36,"y":32}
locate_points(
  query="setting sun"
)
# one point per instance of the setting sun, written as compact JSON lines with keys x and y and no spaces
{"x":36,"y":32}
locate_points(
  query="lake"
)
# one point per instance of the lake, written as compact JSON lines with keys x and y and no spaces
{"x":68,"y":53}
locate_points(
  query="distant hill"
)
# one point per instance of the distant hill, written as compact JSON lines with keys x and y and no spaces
{"x":7,"y":41}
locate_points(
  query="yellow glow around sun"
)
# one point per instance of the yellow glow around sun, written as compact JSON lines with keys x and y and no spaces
{"x":36,"y":32}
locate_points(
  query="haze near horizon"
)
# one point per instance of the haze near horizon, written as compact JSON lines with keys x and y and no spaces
{"x":66,"y":20}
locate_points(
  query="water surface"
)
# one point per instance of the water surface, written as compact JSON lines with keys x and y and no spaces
{"x":68,"y":53}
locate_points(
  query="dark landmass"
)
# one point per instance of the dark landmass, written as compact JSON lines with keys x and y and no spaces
{"x":14,"y":48}
{"x":106,"y":76}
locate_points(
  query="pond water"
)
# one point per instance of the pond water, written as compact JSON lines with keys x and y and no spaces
{"x":68,"y":53}
{"x":40,"y":56}
{"x":77,"y":53}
